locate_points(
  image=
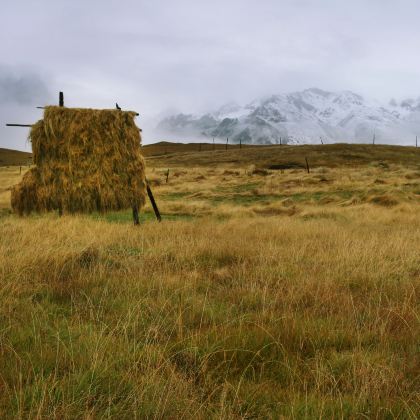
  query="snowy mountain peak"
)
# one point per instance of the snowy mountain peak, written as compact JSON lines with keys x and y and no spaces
{"x":316,"y":91}
{"x":302,"y":117}
{"x":228,"y":108}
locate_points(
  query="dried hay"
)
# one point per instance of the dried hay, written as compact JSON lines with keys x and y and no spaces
{"x":86,"y":160}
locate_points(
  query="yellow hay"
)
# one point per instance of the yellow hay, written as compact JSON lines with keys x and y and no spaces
{"x":86,"y":160}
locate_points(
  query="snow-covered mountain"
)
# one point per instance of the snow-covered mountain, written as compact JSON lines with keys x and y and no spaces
{"x":302,"y":117}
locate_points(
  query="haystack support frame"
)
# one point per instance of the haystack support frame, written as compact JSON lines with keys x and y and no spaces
{"x":66,"y":178}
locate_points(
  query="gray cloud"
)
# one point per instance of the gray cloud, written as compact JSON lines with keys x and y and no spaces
{"x":22,"y":88}
{"x":193,"y":55}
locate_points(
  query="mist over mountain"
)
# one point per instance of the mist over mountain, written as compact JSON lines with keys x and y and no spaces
{"x":301,"y":117}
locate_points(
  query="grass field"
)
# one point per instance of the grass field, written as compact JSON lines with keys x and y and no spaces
{"x":264,"y":293}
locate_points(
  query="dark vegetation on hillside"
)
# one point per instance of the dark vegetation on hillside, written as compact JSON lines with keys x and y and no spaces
{"x":10,"y":157}
{"x":195,"y":154}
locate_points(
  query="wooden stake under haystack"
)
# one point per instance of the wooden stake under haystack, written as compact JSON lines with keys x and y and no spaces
{"x":86,"y":160}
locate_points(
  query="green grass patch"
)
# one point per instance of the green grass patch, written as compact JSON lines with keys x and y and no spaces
{"x":249,"y":199}
{"x":126,"y":216}
{"x":238,"y":188}
{"x":174,"y":196}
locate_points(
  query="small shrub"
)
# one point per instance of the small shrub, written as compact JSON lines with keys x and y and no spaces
{"x":384,"y":200}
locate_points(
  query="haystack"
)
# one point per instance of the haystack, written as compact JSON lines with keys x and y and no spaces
{"x":85,"y":160}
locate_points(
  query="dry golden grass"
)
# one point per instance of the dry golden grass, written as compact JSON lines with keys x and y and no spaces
{"x":9,"y":176}
{"x":85,"y":160}
{"x":259,"y":296}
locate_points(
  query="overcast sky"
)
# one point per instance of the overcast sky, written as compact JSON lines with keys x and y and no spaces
{"x":156,"y":56}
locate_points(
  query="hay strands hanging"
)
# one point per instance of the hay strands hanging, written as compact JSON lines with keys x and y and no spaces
{"x":111,"y":175}
{"x":86,"y":160}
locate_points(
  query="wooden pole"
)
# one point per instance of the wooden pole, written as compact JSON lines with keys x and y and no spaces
{"x":136,"y":215}
{"x":61,"y":99}
{"x":167,"y":176}
{"x":152,"y":200}
{"x":307,"y":165}
{"x":18,"y":125}
{"x":240,"y":143}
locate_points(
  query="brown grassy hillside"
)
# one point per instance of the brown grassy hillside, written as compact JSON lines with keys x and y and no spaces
{"x":10,"y":157}
{"x":203,"y":154}
{"x":331,"y":155}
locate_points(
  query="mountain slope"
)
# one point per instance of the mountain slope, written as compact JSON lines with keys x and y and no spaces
{"x":14,"y":157}
{"x":303,"y":117}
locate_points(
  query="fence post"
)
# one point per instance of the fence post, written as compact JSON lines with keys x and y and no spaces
{"x":152,"y":200}
{"x":61,"y":99}
{"x":167,"y":176}
{"x":136,"y":215}
{"x":307,"y":165}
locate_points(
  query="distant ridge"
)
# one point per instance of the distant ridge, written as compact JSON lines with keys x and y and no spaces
{"x":187,"y":154}
{"x":277,"y":157}
{"x":14,"y":157}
